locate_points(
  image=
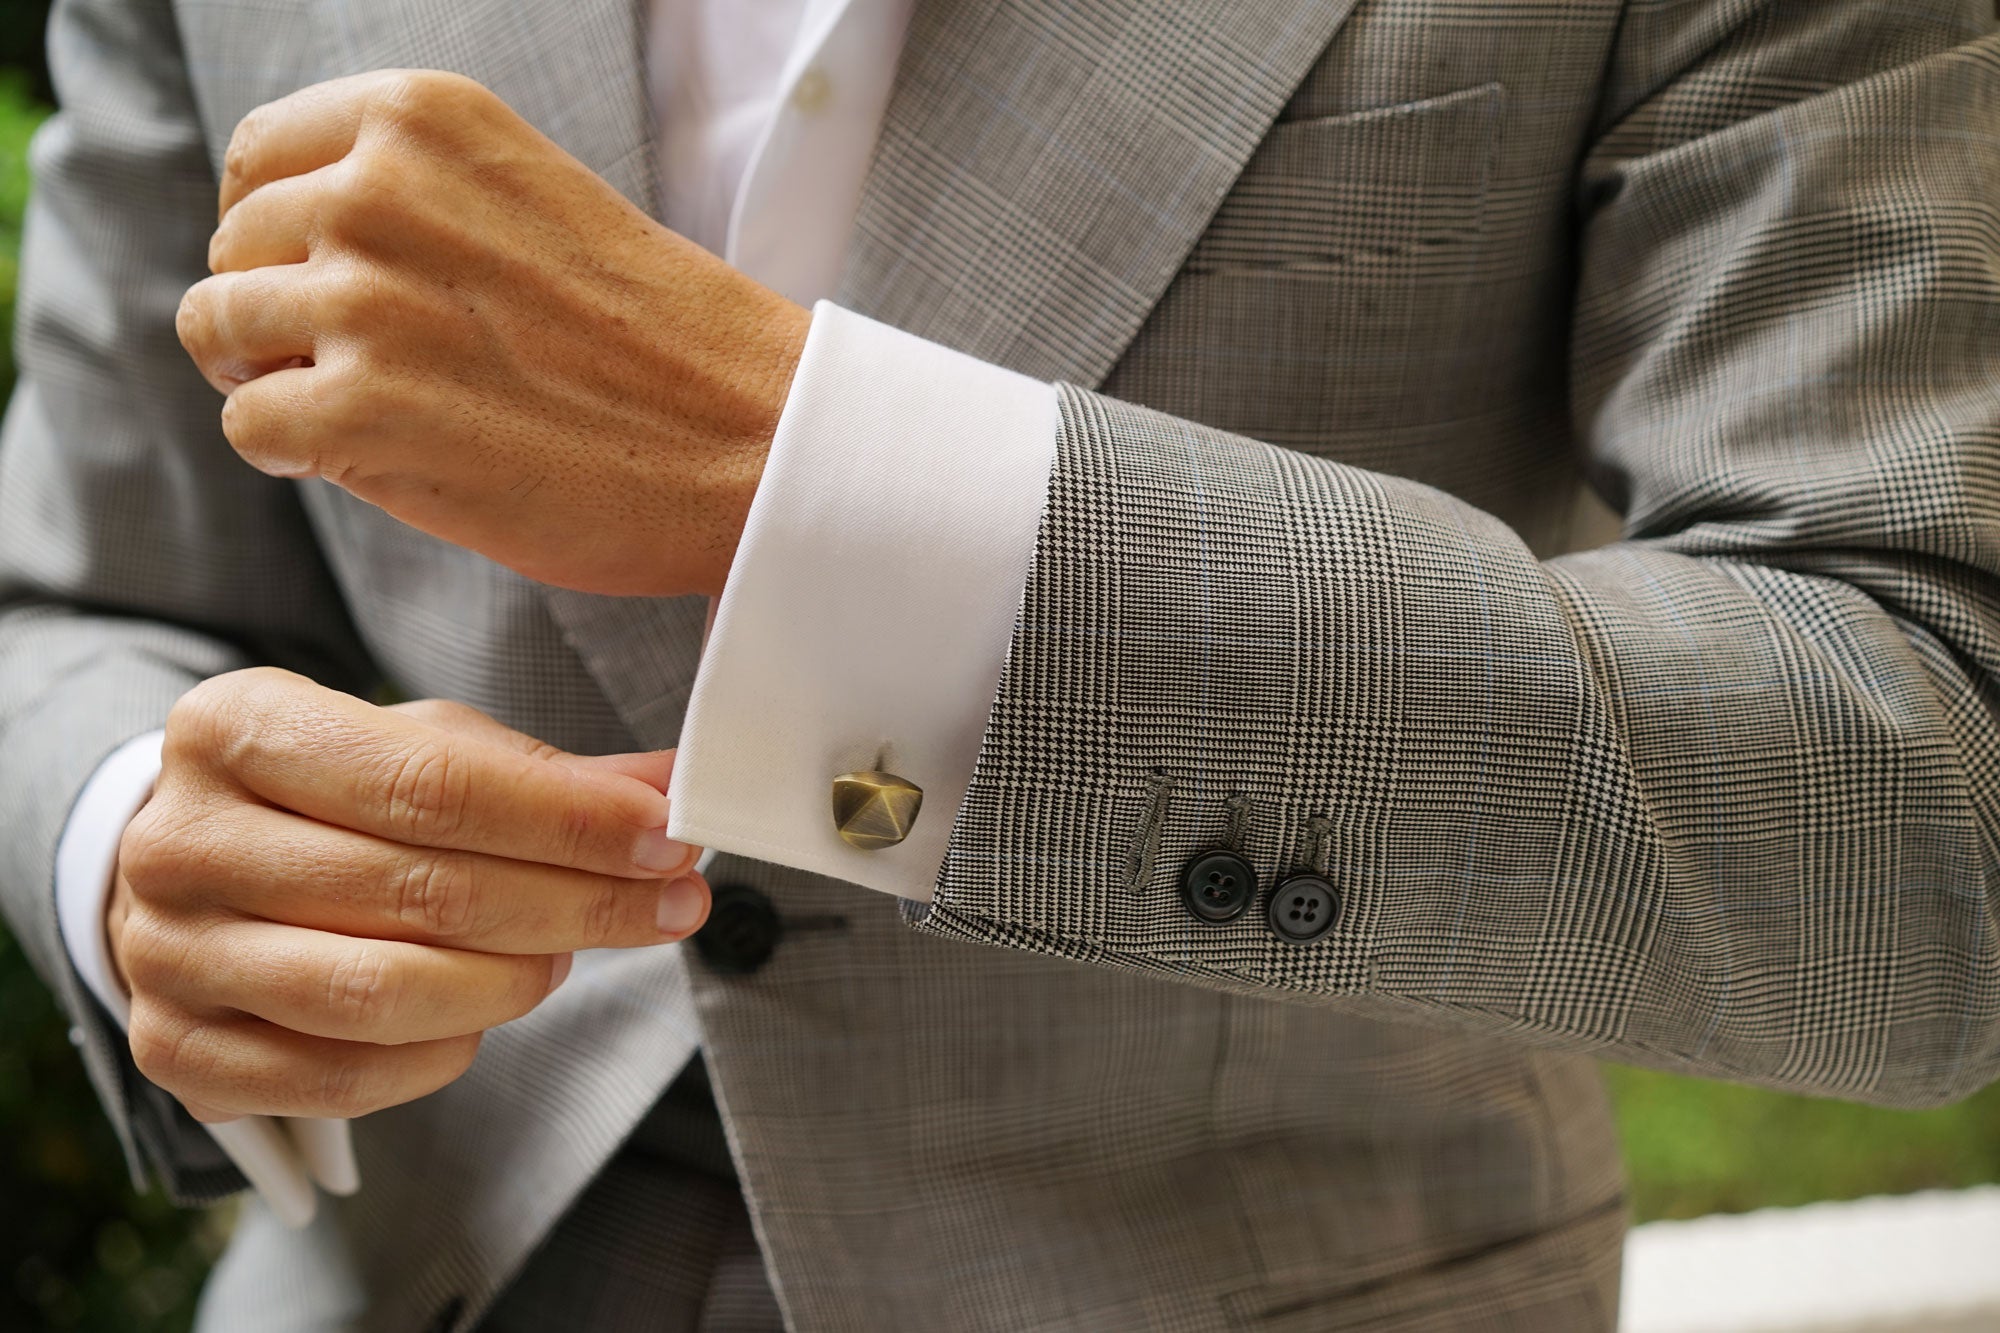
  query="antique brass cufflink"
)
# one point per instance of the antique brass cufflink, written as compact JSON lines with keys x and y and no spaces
{"x":875,"y":810}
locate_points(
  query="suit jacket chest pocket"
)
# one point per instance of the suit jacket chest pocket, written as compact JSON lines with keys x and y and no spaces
{"x":1334,"y":290}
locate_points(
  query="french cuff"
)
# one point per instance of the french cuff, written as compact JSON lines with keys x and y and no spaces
{"x":867,"y":615}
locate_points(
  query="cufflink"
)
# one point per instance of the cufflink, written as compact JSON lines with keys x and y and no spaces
{"x":874,"y":810}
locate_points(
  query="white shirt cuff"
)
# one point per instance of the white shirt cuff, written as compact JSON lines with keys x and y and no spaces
{"x":871,"y":604}
{"x":87,"y":857}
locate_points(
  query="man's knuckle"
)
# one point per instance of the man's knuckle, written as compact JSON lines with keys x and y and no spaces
{"x":604,"y":912}
{"x":151,"y":1040}
{"x":194,"y":320}
{"x":436,"y":898}
{"x":173,"y":855}
{"x":365,"y":197}
{"x":215,"y":722}
{"x":426,"y":96}
{"x":576,"y":831}
{"x":219,"y":243}
{"x":243,"y":142}
{"x":244,"y":431}
{"x":346,"y":1087}
{"x":426,"y":791}
{"x":149,"y":953}
{"x":362,"y":990}
{"x":171,"y":1050}
{"x":446,"y":714}
{"x":145,"y":849}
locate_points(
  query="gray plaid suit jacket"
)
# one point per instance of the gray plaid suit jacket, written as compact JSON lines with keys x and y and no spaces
{"x":1350,"y":297}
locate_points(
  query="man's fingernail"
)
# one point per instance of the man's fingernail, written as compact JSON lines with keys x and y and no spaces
{"x":657,"y":852}
{"x":682,"y":904}
{"x":559,"y":969}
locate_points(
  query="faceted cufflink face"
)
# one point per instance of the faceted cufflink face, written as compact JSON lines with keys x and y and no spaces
{"x":875,"y":810}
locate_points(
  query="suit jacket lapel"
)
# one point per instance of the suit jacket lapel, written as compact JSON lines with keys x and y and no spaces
{"x":1045,"y":165}
{"x":575,"y":69}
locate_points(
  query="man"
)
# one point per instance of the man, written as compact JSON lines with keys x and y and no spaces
{"x":1281,"y":820}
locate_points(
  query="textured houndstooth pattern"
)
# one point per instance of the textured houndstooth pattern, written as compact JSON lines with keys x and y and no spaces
{"x":1719,"y":796}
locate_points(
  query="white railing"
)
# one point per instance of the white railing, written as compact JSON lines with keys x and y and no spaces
{"x":1923,"y":1263}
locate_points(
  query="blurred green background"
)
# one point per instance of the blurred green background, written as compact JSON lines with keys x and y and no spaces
{"x":79,"y":1250}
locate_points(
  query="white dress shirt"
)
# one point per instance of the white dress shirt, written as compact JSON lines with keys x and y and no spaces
{"x":867,"y":615}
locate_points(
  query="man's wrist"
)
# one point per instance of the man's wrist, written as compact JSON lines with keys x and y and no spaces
{"x":770,"y":364}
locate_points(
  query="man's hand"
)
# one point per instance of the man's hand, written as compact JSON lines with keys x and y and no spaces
{"x":419,"y":297}
{"x":325,"y":903}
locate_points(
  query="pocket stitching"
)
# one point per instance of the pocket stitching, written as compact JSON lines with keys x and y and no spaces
{"x":1241,"y":230}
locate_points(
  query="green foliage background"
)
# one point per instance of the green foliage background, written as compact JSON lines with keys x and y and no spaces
{"x":80,"y":1250}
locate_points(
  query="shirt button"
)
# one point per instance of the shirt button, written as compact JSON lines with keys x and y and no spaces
{"x":741,"y":932}
{"x":813,"y":91}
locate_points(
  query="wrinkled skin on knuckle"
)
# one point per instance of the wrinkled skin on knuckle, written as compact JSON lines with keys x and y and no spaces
{"x":362,"y":989}
{"x":583,"y":819}
{"x":173,"y":1050}
{"x":242,"y":428}
{"x":194,"y":321}
{"x":152,"y":955}
{"x":145,"y":854}
{"x":243,"y":142}
{"x":577,"y":826}
{"x":219,"y":242}
{"x":607,"y":913}
{"x":172,"y":850}
{"x":425,"y":791}
{"x":346,"y":1086}
{"x":435,"y":898}
{"x":196,"y":724}
{"x":211,"y":726}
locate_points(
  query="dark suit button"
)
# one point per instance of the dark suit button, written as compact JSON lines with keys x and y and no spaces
{"x":1304,"y":908}
{"x":446,"y":1318}
{"x":1218,"y":885}
{"x":741,"y":931}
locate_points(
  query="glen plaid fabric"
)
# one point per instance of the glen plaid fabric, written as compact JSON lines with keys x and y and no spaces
{"x":1719,"y":796}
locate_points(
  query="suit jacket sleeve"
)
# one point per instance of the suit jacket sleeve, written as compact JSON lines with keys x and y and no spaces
{"x":137,"y":553}
{"x":1721,"y":796}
